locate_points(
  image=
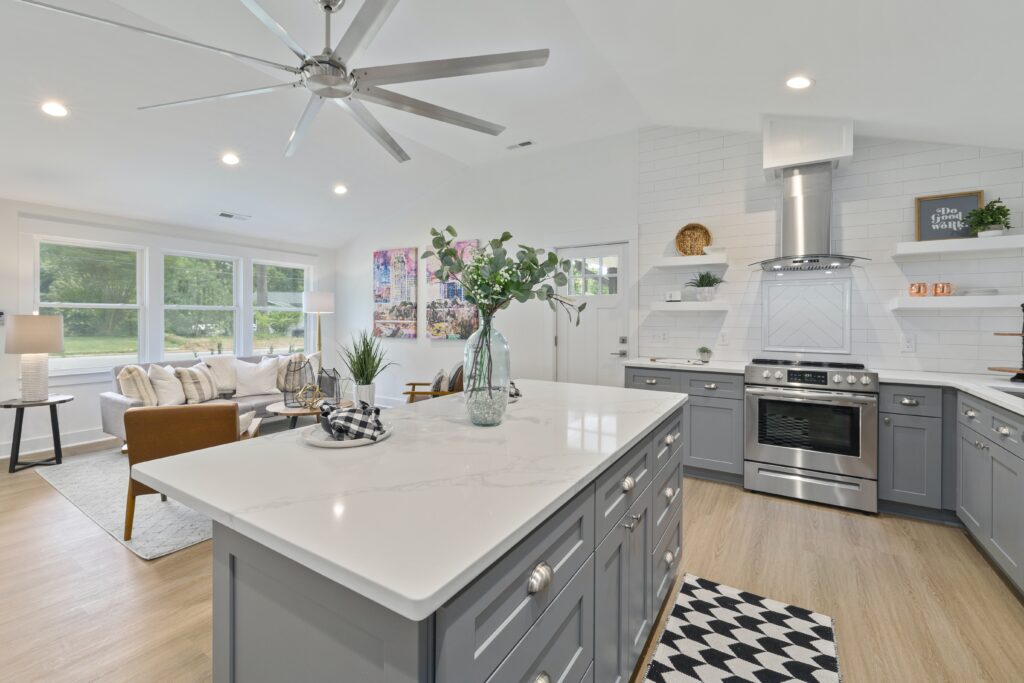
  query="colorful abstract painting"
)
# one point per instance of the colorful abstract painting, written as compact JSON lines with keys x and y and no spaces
{"x":448,"y":314}
{"x":394,"y":293}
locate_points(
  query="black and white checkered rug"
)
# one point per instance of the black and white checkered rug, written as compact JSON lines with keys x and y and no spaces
{"x":716,"y":633}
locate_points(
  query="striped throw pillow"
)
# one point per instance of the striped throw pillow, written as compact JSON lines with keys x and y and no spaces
{"x":198,"y":383}
{"x":135,"y":384}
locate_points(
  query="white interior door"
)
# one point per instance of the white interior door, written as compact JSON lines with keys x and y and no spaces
{"x":592,"y":353}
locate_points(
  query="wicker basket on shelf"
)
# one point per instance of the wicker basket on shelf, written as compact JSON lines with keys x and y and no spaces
{"x":692,"y":238}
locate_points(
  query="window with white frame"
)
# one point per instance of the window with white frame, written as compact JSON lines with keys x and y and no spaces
{"x":278,"y":324}
{"x":200,"y":306}
{"x":96,"y":289}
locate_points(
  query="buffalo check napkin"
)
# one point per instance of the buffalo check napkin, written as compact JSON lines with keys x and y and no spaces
{"x":361,"y":421}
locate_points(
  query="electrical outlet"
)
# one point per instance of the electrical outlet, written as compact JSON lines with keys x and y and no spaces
{"x":723,"y":339}
{"x":908,"y":344}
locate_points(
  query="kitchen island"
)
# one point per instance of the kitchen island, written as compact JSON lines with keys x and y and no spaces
{"x":448,"y":552}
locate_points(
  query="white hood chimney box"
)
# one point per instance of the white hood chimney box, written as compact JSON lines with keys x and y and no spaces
{"x":799,"y":140}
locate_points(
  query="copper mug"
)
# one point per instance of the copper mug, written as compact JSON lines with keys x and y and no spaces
{"x":918,"y":289}
{"x":942,"y":289}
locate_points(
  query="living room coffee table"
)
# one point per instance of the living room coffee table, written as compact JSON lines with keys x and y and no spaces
{"x":293,"y":414}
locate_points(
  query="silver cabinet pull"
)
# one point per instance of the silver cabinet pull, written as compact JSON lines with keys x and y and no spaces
{"x":1004,"y":431}
{"x":650,"y":381}
{"x":971,"y":413}
{"x":981,"y":444}
{"x":669,"y":492}
{"x":628,"y":484}
{"x":670,"y":557}
{"x":712,"y":386}
{"x":886,"y":420}
{"x":540,"y":578}
{"x":620,"y":352}
{"x":542,"y":677}
{"x":669,"y":439}
{"x":907,"y":401}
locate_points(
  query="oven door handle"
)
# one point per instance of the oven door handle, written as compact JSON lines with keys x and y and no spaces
{"x":822,"y":397}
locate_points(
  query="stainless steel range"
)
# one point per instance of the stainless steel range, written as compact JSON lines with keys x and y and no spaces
{"x":812,"y":431}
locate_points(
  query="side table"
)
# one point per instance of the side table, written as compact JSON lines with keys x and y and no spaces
{"x":19,"y":407}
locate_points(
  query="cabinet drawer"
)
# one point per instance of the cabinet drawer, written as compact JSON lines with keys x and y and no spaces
{"x":668,"y":440}
{"x":666,"y":494}
{"x":905,"y":399}
{"x":970,"y":411}
{"x":619,"y":486}
{"x":560,"y":645}
{"x":657,"y":380}
{"x":1001,"y":426}
{"x":667,"y":556}
{"x":479,"y":626}
{"x":712,"y":384}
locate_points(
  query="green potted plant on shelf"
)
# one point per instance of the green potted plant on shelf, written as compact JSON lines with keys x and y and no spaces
{"x":365,"y":360}
{"x":706,"y":284}
{"x":990,"y":220}
{"x":704,"y":353}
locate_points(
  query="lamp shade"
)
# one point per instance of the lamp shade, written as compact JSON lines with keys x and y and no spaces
{"x":35,"y":334}
{"x":318,"y":302}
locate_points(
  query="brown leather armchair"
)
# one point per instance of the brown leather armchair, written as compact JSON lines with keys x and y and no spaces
{"x":158,"y":432}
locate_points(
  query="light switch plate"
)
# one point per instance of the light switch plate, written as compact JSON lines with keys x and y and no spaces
{"x":908,"y":343}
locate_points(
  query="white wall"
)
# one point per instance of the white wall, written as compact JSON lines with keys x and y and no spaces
{"x":80,"y":420}
{"x":715,"y":178}
{"x":566,"y":196}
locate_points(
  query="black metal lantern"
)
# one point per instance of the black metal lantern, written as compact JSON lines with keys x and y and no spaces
{"x":300,"y":388}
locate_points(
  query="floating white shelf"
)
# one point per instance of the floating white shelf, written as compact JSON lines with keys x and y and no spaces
{"x":681,"y":306}
{"x":718,"y":259}
{"x":943,"y":303}
{"x":956,"y":247}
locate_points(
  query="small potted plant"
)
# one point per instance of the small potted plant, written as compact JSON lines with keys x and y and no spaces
{"x":704,"y":353}
{"x":991,"y":220}
{"x":706,"y":284}
{"x":365,"y":360}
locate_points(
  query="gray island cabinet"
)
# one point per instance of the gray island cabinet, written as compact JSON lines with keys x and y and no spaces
{"x":537,"y":551}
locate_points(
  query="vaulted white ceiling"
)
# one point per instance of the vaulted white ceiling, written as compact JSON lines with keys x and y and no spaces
{"x":940,"y":70}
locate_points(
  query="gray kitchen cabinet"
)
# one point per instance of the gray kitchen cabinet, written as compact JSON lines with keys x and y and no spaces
{"x":623,"y":608}
{"x":974,"y":483}
{"x":1005,"y":541}
{"x":910,"y":459}
{"x":714,"y":433}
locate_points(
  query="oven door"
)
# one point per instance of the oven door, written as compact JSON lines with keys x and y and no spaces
{"x":827,"y":431}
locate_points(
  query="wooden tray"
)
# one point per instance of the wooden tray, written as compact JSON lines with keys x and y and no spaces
{"x":692,"y":238}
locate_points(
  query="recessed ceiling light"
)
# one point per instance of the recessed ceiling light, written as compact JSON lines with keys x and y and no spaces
{"x":340,"y":189}
{"x":800,"y":82}
{"x":55,"y":109}
{"x":230,"y":158}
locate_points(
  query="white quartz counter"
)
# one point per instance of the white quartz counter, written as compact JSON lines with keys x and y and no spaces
{"x":412,"y":520}
{"x":991,"y":388}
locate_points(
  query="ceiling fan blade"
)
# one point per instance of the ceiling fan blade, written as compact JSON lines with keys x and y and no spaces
{"x":372,"y":126}
{"x":414,"y":106}
{"x":363,"y":30}
{"x":224,"y":96}
{"x":447,"y":68}
{"x":275,"y":28}
{"x":312,"y":109}
{"x":184,"y":41}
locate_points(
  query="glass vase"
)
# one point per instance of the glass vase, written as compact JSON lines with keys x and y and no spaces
{"x":487,"y":374}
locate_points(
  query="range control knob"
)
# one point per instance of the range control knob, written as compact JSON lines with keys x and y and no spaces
{"x":778,"y":374}
{"x":766,"y":374}
{"x":850,"y":379}
{"x":865,"y":380}
{"x":837,"y":378}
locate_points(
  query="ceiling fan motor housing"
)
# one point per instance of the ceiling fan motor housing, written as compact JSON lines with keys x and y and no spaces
{"x":327,"y":79}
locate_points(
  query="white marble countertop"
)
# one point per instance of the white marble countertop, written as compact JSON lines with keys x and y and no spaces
{"x":991,"y":388}
{"x":414,"y":519}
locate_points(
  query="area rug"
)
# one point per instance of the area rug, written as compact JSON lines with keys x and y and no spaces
{"x":722,"y":634}
{"x":97,"y":484}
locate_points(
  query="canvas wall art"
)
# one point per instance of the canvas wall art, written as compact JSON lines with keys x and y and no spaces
{"x":394,"y":293}
{"x":448,"y":314}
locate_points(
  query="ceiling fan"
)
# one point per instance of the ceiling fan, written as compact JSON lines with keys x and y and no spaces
{"x":331,"y":76}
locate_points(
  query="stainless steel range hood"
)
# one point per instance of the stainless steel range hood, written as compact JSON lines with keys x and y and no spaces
{"x":805,"y":240}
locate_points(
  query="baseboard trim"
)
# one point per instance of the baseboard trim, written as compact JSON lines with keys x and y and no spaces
{"x":70,"y":449}
{"x":711,"y":475}
{"x":946,"y":517}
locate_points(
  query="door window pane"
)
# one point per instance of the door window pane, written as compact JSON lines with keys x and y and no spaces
{"x":594,"y":275}
{"x":189,"y":333}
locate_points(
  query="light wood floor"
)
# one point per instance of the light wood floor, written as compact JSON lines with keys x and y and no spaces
{"x":912,"y":601}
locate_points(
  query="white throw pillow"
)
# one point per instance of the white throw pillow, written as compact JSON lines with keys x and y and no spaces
{"x":282,"y":366}
{"x":223,"y":368}
{"x":135,"y":384}
{"x":254,"y":380}
{"x":245,"y":420}
{"x":166,"y":385}
{"x":316,"y":360}
{"x":198,"y":383}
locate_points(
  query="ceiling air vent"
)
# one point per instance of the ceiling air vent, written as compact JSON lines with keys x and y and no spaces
{"x":235,"y":216}
{"x":520,"y":145}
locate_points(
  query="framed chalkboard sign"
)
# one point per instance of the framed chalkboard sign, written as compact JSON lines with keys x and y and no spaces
{"x":941,"y":217}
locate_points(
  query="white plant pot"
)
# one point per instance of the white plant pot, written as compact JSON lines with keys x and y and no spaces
{"x":992,"y":232}
{"x":706,"y":293}
{"x":705,"y":357}
{"x":366,"y":393}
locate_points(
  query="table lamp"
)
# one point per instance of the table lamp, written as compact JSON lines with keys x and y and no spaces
{"x":34,"y":337}
{"x":318,"y":302}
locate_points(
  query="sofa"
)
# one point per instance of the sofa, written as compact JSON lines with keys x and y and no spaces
{"x":113,"y":404}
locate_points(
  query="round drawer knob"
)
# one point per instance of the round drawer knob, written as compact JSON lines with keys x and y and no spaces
{"x":540,"y":578}
{"x":628,"y":484}
{"x":670,"y":557}
{"x":1005,"y":431}
{"x":669,"y":439}
{"x":542,"y":678}
{"x":669,"y":492}
{"x":971,"y":413}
